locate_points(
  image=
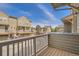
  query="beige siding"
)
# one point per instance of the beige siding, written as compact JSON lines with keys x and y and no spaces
{"x":12,"y":25}
{"x":24,"y":24}
{"x":23,"y":21}
{"x":3,"y":18}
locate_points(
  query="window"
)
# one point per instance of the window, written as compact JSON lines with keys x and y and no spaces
{"x":11,"y":27}
{"x":0,"y":19}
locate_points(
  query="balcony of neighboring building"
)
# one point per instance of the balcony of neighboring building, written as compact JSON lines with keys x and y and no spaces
{"x":3,"y":29}
{"x":24,"y":30}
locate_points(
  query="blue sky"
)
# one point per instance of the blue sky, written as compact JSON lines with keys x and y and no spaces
{"x":39,"y":14}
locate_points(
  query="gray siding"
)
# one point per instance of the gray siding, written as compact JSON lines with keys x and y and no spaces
{"x":64,"y":41}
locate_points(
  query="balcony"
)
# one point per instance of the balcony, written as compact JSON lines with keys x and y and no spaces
{"x":3,"y":32}
{"x":52,"y":44}
{"x":24,"y":32}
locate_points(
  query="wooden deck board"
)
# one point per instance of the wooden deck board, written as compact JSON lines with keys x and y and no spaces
{"x":43,"y":52}
{"x":56,"y":52}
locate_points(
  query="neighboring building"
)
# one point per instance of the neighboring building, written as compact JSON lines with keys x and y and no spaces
{"x":10,"y":25}
{"x":33,"y":30}
{"x":46,"y":29}
{"x":59,"y":28}
{"x":7,"y":24}
{"x":24,"y":25}
{"x":3,"y":23}
{"x":71,"y":22}
{"x":41,"y":30}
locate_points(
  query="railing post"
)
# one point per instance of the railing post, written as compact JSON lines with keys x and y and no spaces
{"x":34,"y":45}
{"x":0,"y":50}
{"x":48,"y":39}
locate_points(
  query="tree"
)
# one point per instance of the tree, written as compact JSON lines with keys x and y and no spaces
{"x":38,"y":29}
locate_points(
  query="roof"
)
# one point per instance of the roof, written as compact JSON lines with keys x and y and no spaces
{"x":23,"y":17}
{"x":12,"y":17}
{"x":68,"y":17}
{"x":57,"y":5}
{"x":73,"y":5}
{"x":3,"y":14}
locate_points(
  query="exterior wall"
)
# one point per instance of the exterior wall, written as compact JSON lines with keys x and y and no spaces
{"x":46,"y":29}
{"x":3,"y":29}
{"x":65,"y":41}
{"x":67,"y":27}
{"x":4,"y":20}
{"x":33,"y":30}
{"x":78,"y":23}
{"x":3,"y":23}
{"x":41,"y":30}
{"x":12,"y":25}
{"x":74,"y":22}
{"x":59,"y":28}
{"x":24,"y":22}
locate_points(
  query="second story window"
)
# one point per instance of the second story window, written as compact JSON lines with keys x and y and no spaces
{"x":0,"y":19}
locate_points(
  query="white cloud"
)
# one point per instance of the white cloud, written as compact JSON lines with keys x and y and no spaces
{"x":53,"y":21}
{"x":35,"y":24}
{"x":26,"y":13}
{"x":42,"y":23}
{"x":45,"y":10}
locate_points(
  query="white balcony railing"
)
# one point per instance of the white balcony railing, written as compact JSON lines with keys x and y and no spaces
{"x":34,"y":45}
{"x":24,"y":46}
{"x":24,"y":31}
{"x":3,"y":30}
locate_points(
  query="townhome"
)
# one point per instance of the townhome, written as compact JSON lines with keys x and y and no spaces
{"x":71,"y":22}
{"x":33,"y":29}
{"x":59,"y":28}
{"x":46,"y":29}
{"x":10,"y":25}
{"x":4,"y":25}
{"x":24,"y":25}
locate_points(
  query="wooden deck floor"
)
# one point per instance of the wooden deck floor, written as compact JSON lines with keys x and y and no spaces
{"x":56,"y":52}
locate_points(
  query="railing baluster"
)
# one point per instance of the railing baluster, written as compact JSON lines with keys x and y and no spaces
{"x":7,"y":50}
{"x":22,"y":48}
{"x":13,"y":49}
{"x":28,"y":47}
{"x":31,"y":46}
{"x":48,"y":39}
{"x":25,"y":49}
{"x":18,"y":48}
{"x":0,"y":50}
{"x":34,"y":46}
